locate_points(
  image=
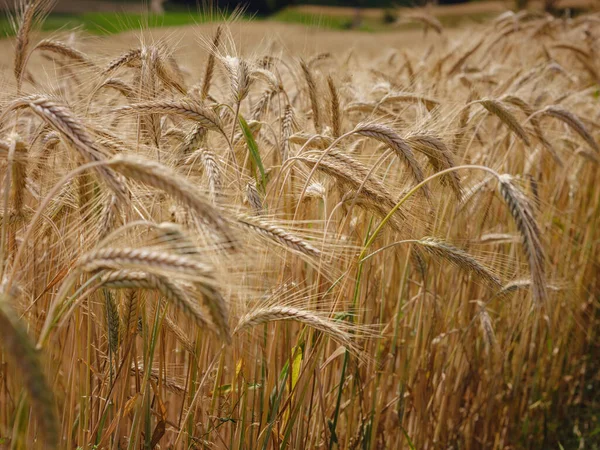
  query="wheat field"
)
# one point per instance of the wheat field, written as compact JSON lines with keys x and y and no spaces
{"x":255,"y":236}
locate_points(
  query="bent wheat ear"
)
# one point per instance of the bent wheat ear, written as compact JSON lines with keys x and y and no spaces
{"x":62,"y":120}
{"x":262,"y":104}
{"x":125,"y":59}
{"x":428,"y":20}
{"x":395,"y":142}
{"x":134,"y":259}
{"x":350,"y":172}
{"x":496,"y":108}
{"x":254,"y":198}
{"x":573,"y":122}
{"x":187,"y":109}
{"x":528,"y":111}
{"x":17,"y":158}
{"x":522,"y":211}
{"x":440,"y":158}
{"x":277,"y":313}
{"x":193,"y":141}
{"x":120,"y":86}
{"x":213,"y":173}
{"x":404,"y":97}
{"x":278,"y":235}
{"x":516,"y":285}
{"x":460,"y":258}
{"x":60,"y":48}
{"x":161,"y":177}
{"x":21,"y":352}
{"x":113,"y":258}
{"x":129,"y":279}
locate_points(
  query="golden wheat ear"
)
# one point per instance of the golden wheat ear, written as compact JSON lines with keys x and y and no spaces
{"x":26,"y":359}
{"x":521,"y":209}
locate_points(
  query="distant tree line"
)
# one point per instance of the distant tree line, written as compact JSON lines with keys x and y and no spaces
{"x":269,"y":6}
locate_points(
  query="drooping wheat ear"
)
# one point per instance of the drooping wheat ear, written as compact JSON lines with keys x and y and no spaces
{"x":463,"y":122}
{"x":17,"y":155}
{"x":319,"y":141}
{"x":426,"y":19}
{"x":489,"y":336}
{"x":159,"y":378}
{"x":529,"y":112}
{"x":496,"y":108}
{"x":22,"y":354}
{"x":516,"y":285}
{"x":573,"y":122}
{"x":63,"y":49}
{"x":22,"y":41}
{"x":210,"y":65}
{"x":372,"y":108}
{"x":408,"y":97}
{"x":238,"y":71}
{"x":161,"y":177}
{"x":175,"y":133}
{"x":187,"y":109}
{"x":268,"y":77}
{"x":212,"y":170}
{"x":262,"y":105}
{"x":459,"y":258}
{"x":315,"y":190}
{"x":573,"y":48}
{"x":135,"y":259}
{"x":120,"y":86}
{"x":128,"y":279}
{"x":323,"y":56}
{"x":254,"y":198}
{"x":108,"y":216}
{"x":129,"y":312}
{"x":287,"y":128}
{"x":167,"y":73}
{"x":522,"y":211}
{"x":114,"y":258}
{"x":459,"y":63}
{"x":278,"y":235}
{"x":440,"y":158}
{"x":126,"y":59}
{"x":180,"y":335}
{"x":193,"y":141}
{"x":312,"y":95}
{"x":389,"y":137}
{"x":177,"y":239}
{"x":381,"y":209}
{"x":353,"y":174}
{"x":113,"y":321}
{"x":62,"y":120}
{"x":277,"y":313}
{"x":334,"y":108}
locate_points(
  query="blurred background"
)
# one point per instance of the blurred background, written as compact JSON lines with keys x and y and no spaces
{"x":113,"y":16}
